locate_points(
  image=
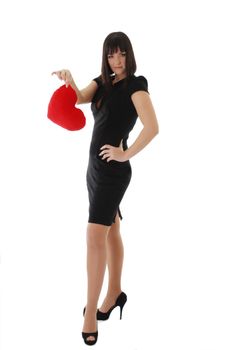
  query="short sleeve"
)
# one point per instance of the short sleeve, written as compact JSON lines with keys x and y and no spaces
{"x":138,"y":84}
{"x":98,"y":80}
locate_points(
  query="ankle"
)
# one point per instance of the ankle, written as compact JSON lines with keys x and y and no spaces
{"x":90,"y":309}
{"x":114,"y":292}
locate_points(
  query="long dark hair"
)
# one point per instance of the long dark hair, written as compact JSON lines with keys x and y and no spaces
{"x":111,"y":44}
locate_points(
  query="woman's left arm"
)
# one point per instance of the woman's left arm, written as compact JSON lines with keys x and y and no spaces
{"x":146,"y":113}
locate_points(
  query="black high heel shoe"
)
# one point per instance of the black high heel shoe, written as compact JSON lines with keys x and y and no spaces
{"x":121,"y":300}
{"x":87,"y":335}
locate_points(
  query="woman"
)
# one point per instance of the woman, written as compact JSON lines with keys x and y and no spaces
{"x":118,"y":97}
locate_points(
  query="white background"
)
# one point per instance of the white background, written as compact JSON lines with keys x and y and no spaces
{"x":177,"y":225}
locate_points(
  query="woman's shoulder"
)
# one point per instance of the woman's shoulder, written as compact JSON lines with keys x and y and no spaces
{"x":137,"y":83}
{"x":138,"y":78}
{"x":98,"y":80}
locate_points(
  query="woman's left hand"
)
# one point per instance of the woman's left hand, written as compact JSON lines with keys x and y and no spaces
{"x":109,"y":153}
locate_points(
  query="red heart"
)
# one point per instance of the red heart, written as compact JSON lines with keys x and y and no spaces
{"x":62,"y":110}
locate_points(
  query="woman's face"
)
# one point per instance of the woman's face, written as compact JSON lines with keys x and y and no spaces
{"x":117,"y":63}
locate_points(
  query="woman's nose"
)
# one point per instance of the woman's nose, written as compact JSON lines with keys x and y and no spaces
{"x":117,"y":60}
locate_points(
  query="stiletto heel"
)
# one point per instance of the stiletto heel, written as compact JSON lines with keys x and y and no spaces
{"x":121,"y":300}
{"x":121,"y":309}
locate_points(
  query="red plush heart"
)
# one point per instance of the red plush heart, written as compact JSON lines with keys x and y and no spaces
{"x":62,"y":110}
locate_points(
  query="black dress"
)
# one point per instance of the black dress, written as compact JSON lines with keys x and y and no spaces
{"x":114,"y":116}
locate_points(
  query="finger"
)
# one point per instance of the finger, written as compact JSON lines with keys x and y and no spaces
{"x":57,"y":73}
{"x":105,"y":147}
{"x":106,"y":155}
{"x":63,"y":75}
{"x":105,"y":151}
{"x":68,"y":80}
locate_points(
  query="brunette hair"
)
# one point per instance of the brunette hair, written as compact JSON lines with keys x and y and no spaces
{"x":111,"y":44}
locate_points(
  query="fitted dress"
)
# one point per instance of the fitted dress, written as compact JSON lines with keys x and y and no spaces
{"x":114,"y":118}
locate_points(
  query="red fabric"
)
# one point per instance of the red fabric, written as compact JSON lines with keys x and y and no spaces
{"x":62,"y":110}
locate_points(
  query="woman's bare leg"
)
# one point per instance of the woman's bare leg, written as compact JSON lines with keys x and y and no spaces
{"x":115,"y":256}
{"x":96,"y":265}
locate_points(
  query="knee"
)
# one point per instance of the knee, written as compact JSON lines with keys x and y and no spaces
{"x":96,"y":237}
{"x":114,"y":230}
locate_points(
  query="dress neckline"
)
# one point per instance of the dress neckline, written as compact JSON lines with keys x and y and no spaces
{"x":118,"y":81}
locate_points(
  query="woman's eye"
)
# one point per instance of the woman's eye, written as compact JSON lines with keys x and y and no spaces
{"x":123,"y":54}
{"x":110,"y":56}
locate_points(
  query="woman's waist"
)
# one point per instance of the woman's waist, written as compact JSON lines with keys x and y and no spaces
{"x":96,"y":144}
{"x":98,"y":164}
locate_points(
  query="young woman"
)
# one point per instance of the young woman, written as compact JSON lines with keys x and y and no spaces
{"x":117,"y":98}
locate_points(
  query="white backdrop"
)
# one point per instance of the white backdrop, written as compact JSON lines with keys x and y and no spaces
{"x":177,"y":225}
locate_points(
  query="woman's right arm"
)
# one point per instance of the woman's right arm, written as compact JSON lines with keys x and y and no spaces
{"x":83,"y":96}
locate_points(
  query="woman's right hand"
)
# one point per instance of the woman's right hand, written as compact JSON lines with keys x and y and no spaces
{"x":64,"y":75}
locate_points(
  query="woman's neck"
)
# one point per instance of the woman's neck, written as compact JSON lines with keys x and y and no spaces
{"x":118,"y":78}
